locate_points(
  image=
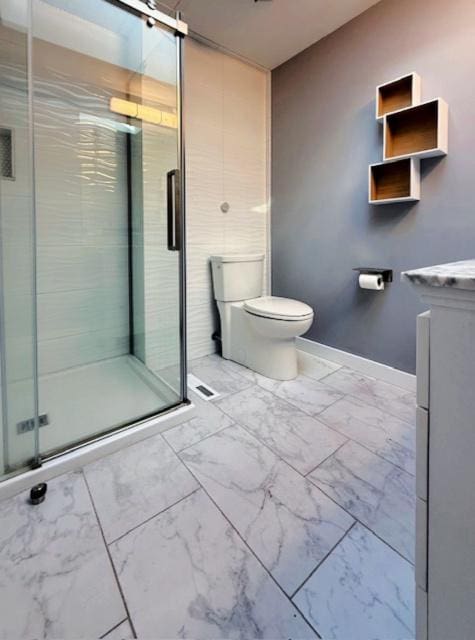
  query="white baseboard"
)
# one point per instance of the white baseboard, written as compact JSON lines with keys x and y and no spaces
{"x":363,"y":365}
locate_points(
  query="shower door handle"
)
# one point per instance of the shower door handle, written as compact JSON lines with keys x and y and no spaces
{"x":173,"y":210}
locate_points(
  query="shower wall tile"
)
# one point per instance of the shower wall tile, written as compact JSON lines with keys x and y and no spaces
{"x":55,"y":355}
{"x":82,"y":232}
{"x":61,"y":268}
{"x":226,"y":151}
{"x":67,"y":313}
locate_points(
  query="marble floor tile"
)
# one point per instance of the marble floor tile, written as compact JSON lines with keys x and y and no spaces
{"x":302,"y":441}
{"x":219,"y":373}
{"x":362,"y":591}
{"x":377,"y":493}
{"x":389,"y":437}
{"x":249,"y":374}
{"x":387,"y":397}
{"x":54,"y":566}
{"x":209,"y":419}
{"x":136,"y":483}
{"x":123,"y":631}
{"x":304,"y":393}
{"x":289,"y":525}
{"x":314,"y":367}
{"x":187,"y":574}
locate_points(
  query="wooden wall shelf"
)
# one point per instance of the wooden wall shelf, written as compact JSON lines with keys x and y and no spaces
{"x":416,"y":132}
{"x":398,"y":94}
{"x":391,"y":182}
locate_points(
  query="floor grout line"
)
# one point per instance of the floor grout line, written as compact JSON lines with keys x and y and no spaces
{"x":203,"y":488}
{"x":155,"y":515}
{"x":327,"y":458}
{"x":375,"y":406}
{"x":362,"y":444}
{"x":319,"y":419}
{"x":237,"y":422}
{"x":367,"y":526}
{"x":285,"y":401}
{"x":114,"y":627}
{"x":322,"y":490}
{"x":327,"y":555}
{"x":122,"y":595}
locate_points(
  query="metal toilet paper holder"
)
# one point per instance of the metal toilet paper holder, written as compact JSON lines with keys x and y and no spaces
{"x":386,"y":274}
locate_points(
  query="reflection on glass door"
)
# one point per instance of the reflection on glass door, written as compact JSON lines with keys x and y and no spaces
{"x":18,"y":444}
{"x":102,"y":271}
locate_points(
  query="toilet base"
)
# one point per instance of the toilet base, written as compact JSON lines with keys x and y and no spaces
{"x":243,"y":341}
{"x":275,"y":359}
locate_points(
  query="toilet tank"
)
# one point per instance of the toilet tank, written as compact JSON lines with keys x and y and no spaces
{"x":237,"y":276}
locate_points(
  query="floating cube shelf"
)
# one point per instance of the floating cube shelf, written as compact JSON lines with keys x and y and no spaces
{"x":416,"y":132}
{"x":398,"y":94}
{"x":398,"y":181}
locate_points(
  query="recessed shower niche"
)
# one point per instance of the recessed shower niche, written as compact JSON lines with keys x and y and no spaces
{"x":6,"y":154}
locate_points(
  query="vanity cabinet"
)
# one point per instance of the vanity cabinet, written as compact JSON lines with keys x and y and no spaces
{"x":445,"y":454}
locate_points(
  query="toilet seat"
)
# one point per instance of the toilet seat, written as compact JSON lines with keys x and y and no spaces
{"x":279,"y":308}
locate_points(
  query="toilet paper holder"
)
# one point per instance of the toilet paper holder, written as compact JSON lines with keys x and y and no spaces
{"x":386,"y":274}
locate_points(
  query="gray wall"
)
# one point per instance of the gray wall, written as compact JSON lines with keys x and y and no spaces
{"x":324,"y":137}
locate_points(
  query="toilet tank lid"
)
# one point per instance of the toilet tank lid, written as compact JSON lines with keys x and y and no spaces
{"x":238,"y":257}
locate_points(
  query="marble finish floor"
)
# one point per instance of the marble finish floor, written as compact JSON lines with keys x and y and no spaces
{"x":281,"y":510}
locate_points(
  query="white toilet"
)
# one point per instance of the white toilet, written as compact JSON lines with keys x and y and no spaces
{"x":257,"y":331}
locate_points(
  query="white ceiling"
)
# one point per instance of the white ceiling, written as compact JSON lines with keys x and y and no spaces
{"x":267,"y":32}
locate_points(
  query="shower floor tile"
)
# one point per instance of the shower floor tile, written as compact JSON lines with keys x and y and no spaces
{"x":56,"y":579}
{"x":287,"y":487}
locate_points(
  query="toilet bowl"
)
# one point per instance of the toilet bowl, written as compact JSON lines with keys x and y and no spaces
{"x":257,"y":331}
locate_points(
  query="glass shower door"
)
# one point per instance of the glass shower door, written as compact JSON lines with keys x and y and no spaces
{"x":18,"y":406}
{"x":108,"y":290}
{"x":106,"y":122}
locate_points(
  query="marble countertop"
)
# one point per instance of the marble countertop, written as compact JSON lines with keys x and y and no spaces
{"x":458,"y":275}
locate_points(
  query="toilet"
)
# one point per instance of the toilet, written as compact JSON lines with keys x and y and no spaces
{"x":256,"y":331}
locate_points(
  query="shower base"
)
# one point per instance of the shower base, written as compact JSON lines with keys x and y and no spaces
{"x":83,"y":402}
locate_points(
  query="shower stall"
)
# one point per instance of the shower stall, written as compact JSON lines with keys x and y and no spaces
{"x":92,"y":318}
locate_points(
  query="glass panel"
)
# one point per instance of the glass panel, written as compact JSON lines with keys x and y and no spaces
{"x":105,"y":136}
{"x":17,"y":274}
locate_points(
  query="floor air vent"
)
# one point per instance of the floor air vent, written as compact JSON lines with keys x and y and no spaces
{"x":200,"y":388}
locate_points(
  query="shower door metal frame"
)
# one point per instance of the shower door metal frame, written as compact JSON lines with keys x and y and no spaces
{"x":147,"y":9}
{"x":180,"y":30}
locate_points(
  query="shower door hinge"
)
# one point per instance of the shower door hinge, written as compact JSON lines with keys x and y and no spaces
{"x":29,"y":424}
